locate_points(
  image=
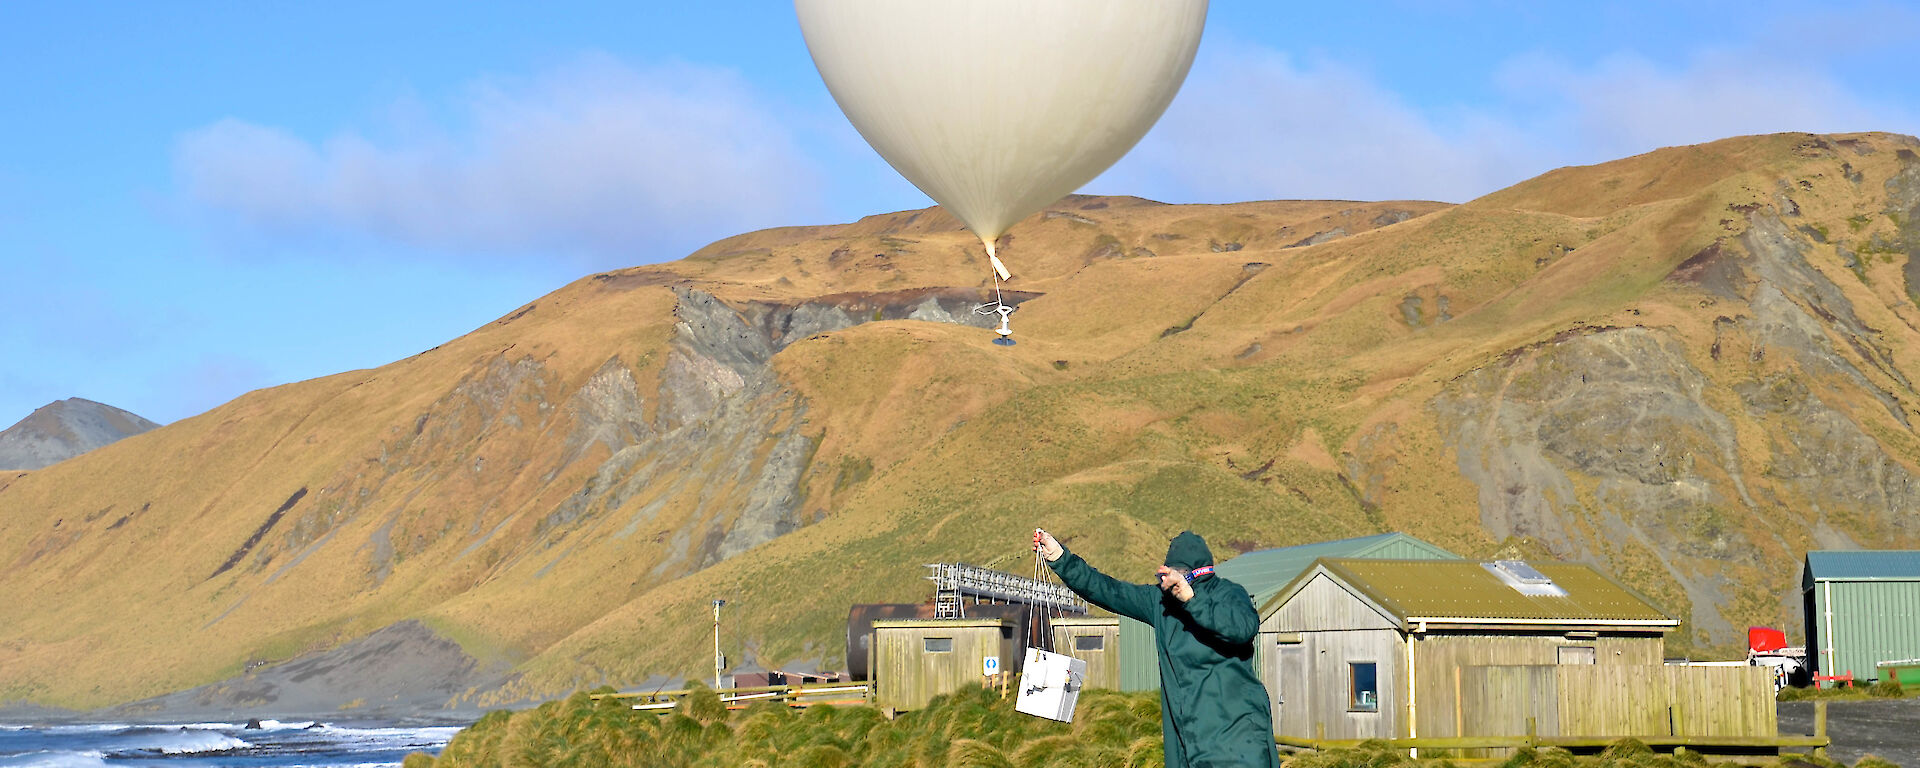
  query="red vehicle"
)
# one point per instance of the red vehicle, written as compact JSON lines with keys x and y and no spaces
{"x":1767,"y":647}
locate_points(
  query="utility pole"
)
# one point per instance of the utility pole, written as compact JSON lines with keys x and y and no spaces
{"x":718,"y":660}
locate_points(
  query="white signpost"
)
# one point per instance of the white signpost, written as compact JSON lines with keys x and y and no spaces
{"x":990,"y":666}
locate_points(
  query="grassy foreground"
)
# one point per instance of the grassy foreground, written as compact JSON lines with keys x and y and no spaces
{"x":974,"y":728}
{"x":1885,"y":689}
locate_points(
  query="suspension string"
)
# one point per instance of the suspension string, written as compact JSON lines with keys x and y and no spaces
{"x":1035,"y":636}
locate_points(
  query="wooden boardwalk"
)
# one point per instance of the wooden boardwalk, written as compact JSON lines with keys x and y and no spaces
{"x":841,"y":694}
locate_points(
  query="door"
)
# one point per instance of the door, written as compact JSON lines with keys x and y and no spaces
{"x":1289,"y":691}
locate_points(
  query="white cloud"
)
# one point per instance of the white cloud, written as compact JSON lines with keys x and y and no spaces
{"x":1625,"y":104}
{"x":1254,"y":123}
{"x":598,"y":160}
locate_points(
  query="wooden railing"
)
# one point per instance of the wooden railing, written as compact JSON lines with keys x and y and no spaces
{"x":741,"y":698}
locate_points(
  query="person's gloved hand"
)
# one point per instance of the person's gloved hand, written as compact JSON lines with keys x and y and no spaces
{"x":1046,"y":545}
{"x":1175,"y":583}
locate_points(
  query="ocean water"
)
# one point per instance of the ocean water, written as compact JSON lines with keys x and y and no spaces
{"x":207,"y":745}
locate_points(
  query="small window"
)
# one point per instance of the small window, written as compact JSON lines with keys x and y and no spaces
{"x":1364,"y":685}
{"x":1576,"y":654}
{"x":939,"y":645}
{"x":1089,"y":643}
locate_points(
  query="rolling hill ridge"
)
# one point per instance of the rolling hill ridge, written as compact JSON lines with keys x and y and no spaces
{"x":1687,"y":367}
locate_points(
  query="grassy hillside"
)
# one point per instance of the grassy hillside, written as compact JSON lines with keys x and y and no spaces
{"x":1687,"y":367}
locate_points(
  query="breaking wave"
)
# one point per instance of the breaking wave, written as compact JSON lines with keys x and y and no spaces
{"x":54,"y":758}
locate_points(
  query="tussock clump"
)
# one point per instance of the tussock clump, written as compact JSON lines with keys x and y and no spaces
{"x":702,"y":703}
{"x":972,"y":727}
{"x":1808,"y":761}
{"x":1626,"y":750}
{"x":1551,"y":757}
{"x":971,"y":753}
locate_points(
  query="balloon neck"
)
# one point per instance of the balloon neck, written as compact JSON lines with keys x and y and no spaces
{"x":994,"y":259}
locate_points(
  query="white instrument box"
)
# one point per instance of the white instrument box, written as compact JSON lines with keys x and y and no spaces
{"x":1050,"y":683}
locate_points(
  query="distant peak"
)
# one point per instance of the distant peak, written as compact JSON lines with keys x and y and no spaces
{"x":63,"y":429}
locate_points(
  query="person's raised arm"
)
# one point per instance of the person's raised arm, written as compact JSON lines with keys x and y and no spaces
{"x":1134,"y":601}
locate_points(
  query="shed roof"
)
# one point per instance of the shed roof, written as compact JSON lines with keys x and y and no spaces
{"x":1084,"y":621}
{"x":1468,"y":592}
{"x":1863,"y":565}
{"x":1264,"y":572}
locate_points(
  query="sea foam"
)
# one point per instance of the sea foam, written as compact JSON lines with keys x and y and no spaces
{"x":54,"y":759}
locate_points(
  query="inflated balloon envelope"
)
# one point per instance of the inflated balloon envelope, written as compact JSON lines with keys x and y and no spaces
{"x":1050,"y":684}
{"x":998,"y":108}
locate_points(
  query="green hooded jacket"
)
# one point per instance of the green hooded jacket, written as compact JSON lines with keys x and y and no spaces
{"x":1213,"y":709}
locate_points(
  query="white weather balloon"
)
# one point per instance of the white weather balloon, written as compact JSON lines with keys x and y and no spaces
{"x":997,"y":108}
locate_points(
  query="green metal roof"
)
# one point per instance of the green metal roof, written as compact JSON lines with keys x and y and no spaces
{"x":1884,"y":564}
{"x":1265,"y":572}
{"x":1468,"y":590}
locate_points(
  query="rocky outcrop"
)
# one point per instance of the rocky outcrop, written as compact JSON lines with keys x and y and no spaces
{"x":1621,"y":406}
{"x":1605,"y":440}
{"x":725,"y":445}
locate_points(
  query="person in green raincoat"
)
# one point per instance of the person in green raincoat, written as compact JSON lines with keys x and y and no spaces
{"x":1213,"y":709}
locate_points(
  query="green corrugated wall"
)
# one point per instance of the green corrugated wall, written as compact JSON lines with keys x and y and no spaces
{"x":1872,"y":621}
{"x":1139,"y":660}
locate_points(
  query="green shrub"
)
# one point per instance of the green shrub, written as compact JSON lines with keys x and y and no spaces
{"x":1887,"y":689}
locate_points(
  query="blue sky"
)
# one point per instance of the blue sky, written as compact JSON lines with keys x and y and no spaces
{"x":199,"y":199}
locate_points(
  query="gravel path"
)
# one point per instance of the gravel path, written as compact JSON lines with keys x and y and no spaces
{"x":1887,"y":728}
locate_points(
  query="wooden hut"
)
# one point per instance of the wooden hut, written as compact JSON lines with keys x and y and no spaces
{"x":1094,"y":640}
{"x":915,"y":660}
{"x":1389,"y":649}
{"x":1263,"y":573}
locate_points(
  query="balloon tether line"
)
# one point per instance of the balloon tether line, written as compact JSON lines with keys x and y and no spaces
{"x":999,"y":305}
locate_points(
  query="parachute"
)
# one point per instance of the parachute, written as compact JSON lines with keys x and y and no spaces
{"x":998,"y":108}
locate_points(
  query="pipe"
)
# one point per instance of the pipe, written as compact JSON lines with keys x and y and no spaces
{"x":1829,"y":669}
{"x":1413,"y":703}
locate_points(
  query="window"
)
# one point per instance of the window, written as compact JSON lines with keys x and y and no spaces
{"x":1364,"y":685}
{"x":1576,"y":654}
{"x":1089,"y":643}
{"x":939,"y":645}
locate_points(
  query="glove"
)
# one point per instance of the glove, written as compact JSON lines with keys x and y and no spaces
{"x":1047,"y":546}
{"x":1175,"y":583}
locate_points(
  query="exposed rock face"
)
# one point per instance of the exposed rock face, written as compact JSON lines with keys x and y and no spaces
{"x":64,"y":429}
{"x":719,"y":441}
{"x":725,"y":421}
{"x":1599,"y":439}
{"x":1612,"y":436}
{"x":1622,"y":406}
